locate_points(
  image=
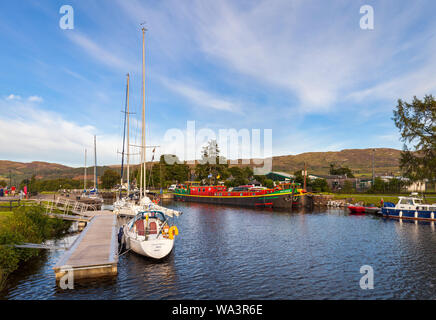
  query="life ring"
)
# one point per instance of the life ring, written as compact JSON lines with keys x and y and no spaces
{"x":165,"y":231}
{"x":173,"y":231}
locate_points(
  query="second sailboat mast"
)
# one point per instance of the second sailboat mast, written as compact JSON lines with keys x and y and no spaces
{"x":144,"y":157}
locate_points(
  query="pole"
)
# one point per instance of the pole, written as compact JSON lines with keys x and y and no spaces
{"x":143,"y":113}
{"x":305,"y":173}
{"x":95,"y":165}
{"x":373,"y":172}
{"x":84,"y":179}
{"x":124,"y":135}
{"x":128,"y":135}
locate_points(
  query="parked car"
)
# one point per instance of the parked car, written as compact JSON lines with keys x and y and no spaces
{"x":172,"y":187}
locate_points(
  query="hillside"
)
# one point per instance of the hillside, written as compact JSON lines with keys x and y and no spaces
{"x":359,"y":160}
{"x":386,"y":161}
{"x":18,"y":171}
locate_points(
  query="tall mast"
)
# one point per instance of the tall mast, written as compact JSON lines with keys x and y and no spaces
{"x":95,"y":165}
{"x":128,"y":134}
{"x":84,"y":179}
{"x":124,"y":134}
{"x":144,"y":157}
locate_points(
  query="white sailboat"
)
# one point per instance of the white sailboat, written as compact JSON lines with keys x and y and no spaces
{"x":150,"y":233}
{"x":93,"y":193}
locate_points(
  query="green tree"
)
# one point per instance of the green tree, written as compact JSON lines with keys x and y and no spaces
{"x":348,"y":187}
{"x":416,"y":122}
{"x":340,"y":171}
{"x":379,"y":186}
{"x":319,"y":185}
{"x":269,"y":183}
{"x":211,"y":164}
{"x":299,"y":177}
{"x":110,"y":179}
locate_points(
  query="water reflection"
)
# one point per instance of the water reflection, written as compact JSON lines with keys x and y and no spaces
{"x":231,"y":253}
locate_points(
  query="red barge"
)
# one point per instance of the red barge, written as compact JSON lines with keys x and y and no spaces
{"x":283,"y":196}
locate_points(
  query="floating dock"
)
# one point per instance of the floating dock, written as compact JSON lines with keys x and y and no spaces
{"x":95,"y":252}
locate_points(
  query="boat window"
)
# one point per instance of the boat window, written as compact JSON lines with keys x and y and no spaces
{"x":418,"y":201}
{"x":404,"y":201}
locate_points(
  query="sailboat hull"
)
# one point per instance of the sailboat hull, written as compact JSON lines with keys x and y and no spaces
{"x":155,"y":249}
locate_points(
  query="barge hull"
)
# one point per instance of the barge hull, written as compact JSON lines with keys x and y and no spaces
{"x":273,"y":201}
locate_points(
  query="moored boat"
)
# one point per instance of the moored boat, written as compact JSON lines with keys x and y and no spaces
{"x":150,"y":233}
{"x":356,"y":209}
{"x":411,"y":207}
{"x":372,"y":210}
{"x":249,"y":196}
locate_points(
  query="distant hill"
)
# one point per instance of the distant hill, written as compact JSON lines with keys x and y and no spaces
{"x":42,"y":170}
{"x":386,"y":161}
{"x":358,"y":160}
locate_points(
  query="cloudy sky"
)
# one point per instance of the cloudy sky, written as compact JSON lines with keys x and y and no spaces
{"x":303,"y":68}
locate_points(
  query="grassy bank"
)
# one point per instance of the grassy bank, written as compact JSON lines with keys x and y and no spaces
{"x":24,"y":225}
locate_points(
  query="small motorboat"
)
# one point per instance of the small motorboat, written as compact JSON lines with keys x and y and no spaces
{"x":411,"y":207}
{"x":372,"y":210}
{"x":356,"y":209}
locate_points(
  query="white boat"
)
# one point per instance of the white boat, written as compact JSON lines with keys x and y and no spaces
{"x":411,"y":207}
{"x":125,"y":207}
{"x":150,"y":233}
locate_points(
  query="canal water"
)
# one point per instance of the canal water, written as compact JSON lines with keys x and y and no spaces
{"x":239,"y":253}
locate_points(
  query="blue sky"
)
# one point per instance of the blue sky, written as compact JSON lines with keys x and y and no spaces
{"x":304,"y":69}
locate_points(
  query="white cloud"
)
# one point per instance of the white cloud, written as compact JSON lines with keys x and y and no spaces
{"x":99,"y":53}
{"x":30,"y":133}
{"x":315,"y":52}
{"x":35,"y":99}
{"x":13,"y":97}
{"x":200,"y":97}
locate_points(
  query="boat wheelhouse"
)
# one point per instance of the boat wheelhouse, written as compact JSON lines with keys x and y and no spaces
{"x":411,"y":207}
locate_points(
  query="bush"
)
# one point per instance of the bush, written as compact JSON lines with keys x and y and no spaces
{"x":268,"y":183}
{"x":25,"y":225}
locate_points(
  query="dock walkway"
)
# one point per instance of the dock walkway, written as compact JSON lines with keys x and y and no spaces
{"x":95,"y":251}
